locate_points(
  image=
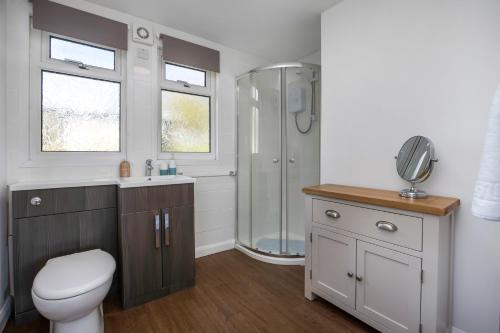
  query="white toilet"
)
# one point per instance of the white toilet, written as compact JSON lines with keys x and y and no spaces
{"x":69,"y":291}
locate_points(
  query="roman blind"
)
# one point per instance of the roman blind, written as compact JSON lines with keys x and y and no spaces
{"x":63,"y":20}
{"x":181,"y":52}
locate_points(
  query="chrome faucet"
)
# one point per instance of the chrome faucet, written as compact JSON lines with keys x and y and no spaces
{"x":149,"y":167}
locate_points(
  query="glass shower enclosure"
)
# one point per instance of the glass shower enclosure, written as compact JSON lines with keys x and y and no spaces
{"x":278,"y":155}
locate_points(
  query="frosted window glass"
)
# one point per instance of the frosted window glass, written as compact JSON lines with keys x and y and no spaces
{"x":189,"y":75}
{"x":185,"y":125}
{"x":62,"y":49}
{"x":79,"y":114}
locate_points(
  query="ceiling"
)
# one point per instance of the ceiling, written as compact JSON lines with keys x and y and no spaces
{"x":276,"y":30}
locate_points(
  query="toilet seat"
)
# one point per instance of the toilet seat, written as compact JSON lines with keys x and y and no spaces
{"x":73,"y":275}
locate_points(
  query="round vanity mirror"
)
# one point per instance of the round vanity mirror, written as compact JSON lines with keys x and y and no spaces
{"x":414,"y":164}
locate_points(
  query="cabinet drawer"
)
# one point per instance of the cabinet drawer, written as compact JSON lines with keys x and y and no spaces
{"x":53,"y":201}
{"x":141,"y":199}
{"x":370,"y":223}
{"x":62,"y":200}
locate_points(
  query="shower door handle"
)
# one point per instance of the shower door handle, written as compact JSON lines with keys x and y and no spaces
{"x":276,"y":160}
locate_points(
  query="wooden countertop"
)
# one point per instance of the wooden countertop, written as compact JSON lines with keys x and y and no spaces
{"x":431,"y":205}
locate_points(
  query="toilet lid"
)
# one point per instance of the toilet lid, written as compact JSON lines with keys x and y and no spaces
{"x":74,"y":274}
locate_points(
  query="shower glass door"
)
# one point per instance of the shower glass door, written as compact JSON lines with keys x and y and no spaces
{"x":260,"y":161}
{"x":278,"y":155}
{"x":302,"y":150}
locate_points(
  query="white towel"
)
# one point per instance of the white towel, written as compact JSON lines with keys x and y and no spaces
{"x":486,"y":199}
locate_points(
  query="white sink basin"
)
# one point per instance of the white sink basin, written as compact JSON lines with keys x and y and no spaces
{"x":154,"y":181}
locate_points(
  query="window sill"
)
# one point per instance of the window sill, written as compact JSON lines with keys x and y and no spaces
{"x":73,"y":161}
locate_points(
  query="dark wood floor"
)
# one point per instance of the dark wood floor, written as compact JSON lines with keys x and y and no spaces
{"x":233,"y":293}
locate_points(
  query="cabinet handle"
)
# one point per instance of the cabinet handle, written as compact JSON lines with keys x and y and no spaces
{"x":387,"y":226}
{"x":350,"y":274}
{"x":166,"y":221}
{"x":36,"y":201}
{"x":359,"y":278}
{"x":157,"y":230}
{"x":332,"y":214}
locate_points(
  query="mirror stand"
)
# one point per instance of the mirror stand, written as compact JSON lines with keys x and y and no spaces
{"x":412,"y":192}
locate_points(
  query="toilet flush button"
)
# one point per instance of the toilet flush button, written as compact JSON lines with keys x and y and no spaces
{"x":36,"y":201}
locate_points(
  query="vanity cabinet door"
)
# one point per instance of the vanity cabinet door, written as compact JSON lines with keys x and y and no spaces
{"x":141,"y":257}
{"x":178,"y":247}
{"x":388,"y":287}
{"x":334,"y":265}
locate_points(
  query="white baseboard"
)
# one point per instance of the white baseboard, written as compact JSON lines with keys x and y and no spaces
{"x":457,"y":330}
{"x":206,"y":250}
{"x":5,"y":313}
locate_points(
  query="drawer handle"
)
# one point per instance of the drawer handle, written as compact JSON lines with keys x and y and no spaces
{"x":36,"y":201}
{"x":387,"y":226}
{"x":332,"y":214}
{"x":359,"y":278}
{"x":350,"y":274}
{"x":157,"y":230}
{"x":166,"y":221}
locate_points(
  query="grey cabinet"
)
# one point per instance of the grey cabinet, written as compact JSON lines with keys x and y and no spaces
{"x":388,"y":267}
{"x":334,"y":270}
{"x":67,"y":220}
{"x":156,"y":234}
{"x":382,"y":284}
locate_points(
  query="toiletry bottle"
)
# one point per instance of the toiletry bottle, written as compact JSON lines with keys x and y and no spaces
{"x":172,"y":169}
{"x":124,"y":169}
{"x":163,"y":169}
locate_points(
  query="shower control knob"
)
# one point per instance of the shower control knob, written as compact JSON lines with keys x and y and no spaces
{"x":276,"y":160}
{"x":292,"y":160}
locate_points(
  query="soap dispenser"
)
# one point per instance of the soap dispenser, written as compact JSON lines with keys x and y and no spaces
{"x":164,"y":169}
{"x":172,"y":168}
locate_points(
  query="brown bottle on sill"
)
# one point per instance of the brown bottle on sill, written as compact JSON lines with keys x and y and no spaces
{"x":124,"y":169}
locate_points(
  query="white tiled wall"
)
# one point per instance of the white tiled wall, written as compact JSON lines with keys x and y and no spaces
{"x":215,"y":213}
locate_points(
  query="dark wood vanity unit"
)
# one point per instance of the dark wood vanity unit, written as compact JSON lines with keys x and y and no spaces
{"x":156,"y":240}
{"x":48,"y":223}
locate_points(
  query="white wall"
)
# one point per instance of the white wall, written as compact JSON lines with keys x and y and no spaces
{"x":215,"y":206}
{"x":393,"y":69}
{"x":4,"y":307}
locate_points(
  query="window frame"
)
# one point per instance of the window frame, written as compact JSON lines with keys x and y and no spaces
{"x":40,"y":62}
{"x":164,"y":77}
{"x":41,"y":114}
{"x":209,"y":90}
{"x":72,"y":40}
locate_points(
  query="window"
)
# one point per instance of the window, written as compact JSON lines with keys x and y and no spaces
{"x":83,"y":54}
{"x":79,"y":114}
{"x":185,"y":75}
{"x":76,"y":102}
{"x":187,"y":113}
{"x":185,"y":122}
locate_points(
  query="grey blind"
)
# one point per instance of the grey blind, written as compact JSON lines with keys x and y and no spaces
{"x":181,"y":52}
{"x":63,"y":20}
